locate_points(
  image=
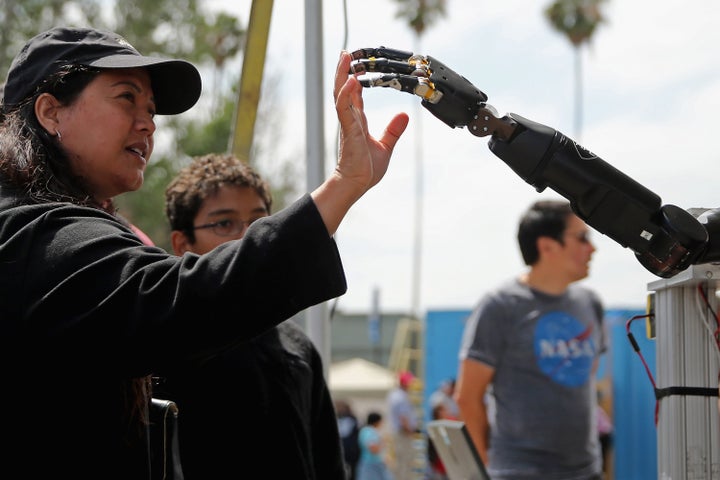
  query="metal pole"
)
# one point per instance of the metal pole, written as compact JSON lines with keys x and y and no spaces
{"x":688,"y":434}
{"x":318,"y":321}
{"x":251,"y":77}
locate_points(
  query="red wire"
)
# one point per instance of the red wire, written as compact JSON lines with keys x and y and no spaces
{"x":642,"y":358}
{"x":636,"y":347}
{"x":716,"y":333}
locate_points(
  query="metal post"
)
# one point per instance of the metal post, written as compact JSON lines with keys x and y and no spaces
{"x":251,"y":78}
{"x":318,"y":321}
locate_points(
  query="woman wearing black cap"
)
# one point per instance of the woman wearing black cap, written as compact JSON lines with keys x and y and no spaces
{"x":88,"y":310}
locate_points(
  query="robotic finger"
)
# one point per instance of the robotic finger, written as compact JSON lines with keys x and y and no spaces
{"x":387,"y":60}
{"x":419,"y":86}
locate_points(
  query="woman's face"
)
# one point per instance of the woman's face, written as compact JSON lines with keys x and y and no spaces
{"x":108,"y":131}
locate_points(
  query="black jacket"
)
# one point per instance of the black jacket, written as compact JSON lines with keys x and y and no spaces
{"x":261,"y":407}
{"x":85,"y":306}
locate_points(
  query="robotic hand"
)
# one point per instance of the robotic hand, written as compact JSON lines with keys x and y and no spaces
{"x":665,"y":238}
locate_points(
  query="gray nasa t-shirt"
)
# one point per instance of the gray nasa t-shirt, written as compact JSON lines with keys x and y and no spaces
{"x":542,"y":348}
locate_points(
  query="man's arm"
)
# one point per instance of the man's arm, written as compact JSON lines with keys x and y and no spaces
{"x":473,"y":380}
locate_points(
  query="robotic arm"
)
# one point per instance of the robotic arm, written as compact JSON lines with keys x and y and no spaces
{"x":665,"y":238}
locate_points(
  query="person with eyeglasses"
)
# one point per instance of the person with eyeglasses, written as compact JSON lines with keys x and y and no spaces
{"x":529,"y":353}
{"x":264,"y":403}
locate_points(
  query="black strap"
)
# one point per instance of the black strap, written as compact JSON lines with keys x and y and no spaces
{"x":696,"y":391}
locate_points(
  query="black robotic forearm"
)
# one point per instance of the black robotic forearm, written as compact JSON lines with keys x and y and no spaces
{"x":665,"y":238}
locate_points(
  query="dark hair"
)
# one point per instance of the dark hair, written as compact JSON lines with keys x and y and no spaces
{"x":342,"y":407}
{"x":32,"y":160}
{"x":374,"y":418}
{"x":201,"y":179}
{"x":437,"y":411}
{"x":545,"y":218}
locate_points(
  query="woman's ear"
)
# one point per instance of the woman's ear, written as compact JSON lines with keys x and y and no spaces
{"x":46,"y":111}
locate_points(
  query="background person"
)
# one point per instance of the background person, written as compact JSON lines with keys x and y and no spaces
{"x":371,"y":465}
{"x":89,"y":311}
{"x":540,"y":333}
{"x":445,"y":395}
{"x":349,"y":429}
{"x":290,"y":430}
{"x":403,"y":427}
{"x":436,"y":467}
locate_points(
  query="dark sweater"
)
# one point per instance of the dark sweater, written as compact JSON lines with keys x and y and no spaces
{"x":85,"y":307}
{"x":262,"y":407}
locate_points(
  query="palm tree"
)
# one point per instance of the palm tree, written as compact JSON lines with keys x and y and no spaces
{"x":419,"y":15}
{"x":577,"y":20}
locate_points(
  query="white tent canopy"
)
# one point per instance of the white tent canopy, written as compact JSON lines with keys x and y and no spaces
{"x":360,"y":376}
{"x":363,"y":384}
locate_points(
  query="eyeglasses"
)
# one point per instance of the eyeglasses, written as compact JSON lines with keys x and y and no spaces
{"x":227,"y":227}
{"x":582,"y":237}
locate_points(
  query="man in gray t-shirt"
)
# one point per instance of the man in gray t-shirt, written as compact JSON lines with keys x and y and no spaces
{"x":530,"y":349}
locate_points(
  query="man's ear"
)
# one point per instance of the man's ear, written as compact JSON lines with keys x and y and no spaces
{"x":180,"y":243}
{"x":547,"y":245}
{"x":46,"y":111}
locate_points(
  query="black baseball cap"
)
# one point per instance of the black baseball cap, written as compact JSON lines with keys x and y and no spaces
{"x":176,"y":83}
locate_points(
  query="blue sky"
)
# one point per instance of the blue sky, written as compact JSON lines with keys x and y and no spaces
{"x":651,"y":93}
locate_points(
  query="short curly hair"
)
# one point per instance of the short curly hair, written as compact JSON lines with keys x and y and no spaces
{"x":201,"y":179}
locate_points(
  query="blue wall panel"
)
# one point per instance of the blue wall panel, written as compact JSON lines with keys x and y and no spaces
{"x":443,"y":334}
{"x":635,"y":439}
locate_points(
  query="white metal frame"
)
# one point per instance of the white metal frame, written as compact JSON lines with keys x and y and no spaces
{"x":688,"y":427}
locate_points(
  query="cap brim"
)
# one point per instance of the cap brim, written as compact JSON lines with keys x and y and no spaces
{"x":176,"y":83}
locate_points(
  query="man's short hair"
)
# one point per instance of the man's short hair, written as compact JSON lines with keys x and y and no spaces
{"x":544,"y":218}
